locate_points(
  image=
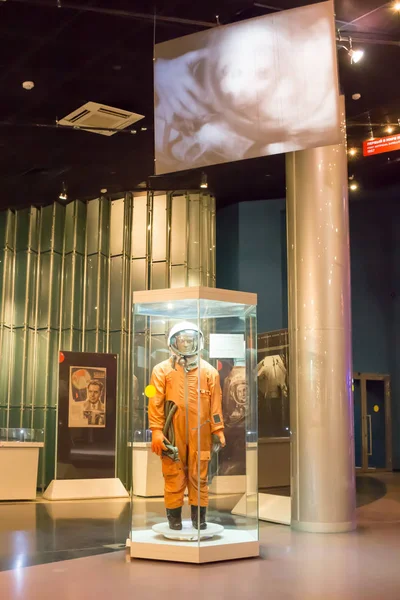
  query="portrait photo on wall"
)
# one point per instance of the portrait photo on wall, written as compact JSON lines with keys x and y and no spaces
{"x":273,"y":390}
{"x":87,"y":397}
{"x":263,"y":86}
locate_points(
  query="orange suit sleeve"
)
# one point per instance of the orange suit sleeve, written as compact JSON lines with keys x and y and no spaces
{"x":157,"y":403}
{"x":217,"y":420}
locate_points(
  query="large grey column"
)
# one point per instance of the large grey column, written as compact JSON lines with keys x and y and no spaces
{"x":321,"y":401}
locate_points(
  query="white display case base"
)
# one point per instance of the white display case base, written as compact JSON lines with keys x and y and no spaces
{"x":147,"y":477}
{"x":275,"y":509}
{"x":85,"y":489}
{"x":19,"y":463}
{"x":188,"y":533}
{"x":228,"y":484}
{"x":232,"y":544}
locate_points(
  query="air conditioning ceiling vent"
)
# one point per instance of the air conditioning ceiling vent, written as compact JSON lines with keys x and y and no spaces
{"x":93,"y":115}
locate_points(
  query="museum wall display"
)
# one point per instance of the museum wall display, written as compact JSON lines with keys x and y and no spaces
{"x":67,"y":273}
{"x":182,"y":338}
{"x":262,"y":86}
{"x":375,"y":251}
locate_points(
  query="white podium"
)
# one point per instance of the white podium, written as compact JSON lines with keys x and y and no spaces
{"x":19,"y":462}
{"x":147,"y":475}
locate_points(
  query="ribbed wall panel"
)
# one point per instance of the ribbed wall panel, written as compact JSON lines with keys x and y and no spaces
{"x":67,"y":274}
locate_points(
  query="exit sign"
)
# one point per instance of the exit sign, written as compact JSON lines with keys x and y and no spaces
{"x":381,"y":145}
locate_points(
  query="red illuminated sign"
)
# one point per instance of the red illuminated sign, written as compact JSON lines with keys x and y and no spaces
{"x":381,"y":145}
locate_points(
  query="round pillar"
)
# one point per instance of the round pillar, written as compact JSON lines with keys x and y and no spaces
{"x":320,"y":378}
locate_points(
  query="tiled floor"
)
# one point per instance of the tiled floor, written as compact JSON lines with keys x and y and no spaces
{"x":293,"y":566}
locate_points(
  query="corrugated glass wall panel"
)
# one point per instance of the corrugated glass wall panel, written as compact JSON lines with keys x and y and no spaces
{"x":67,"y":273}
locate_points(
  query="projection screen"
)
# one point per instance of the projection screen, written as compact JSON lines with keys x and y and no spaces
{"x":263,"y":86}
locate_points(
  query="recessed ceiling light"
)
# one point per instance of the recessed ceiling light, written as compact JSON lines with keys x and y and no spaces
{"x":353,"y":151}
{"x":396,"y":6}
{"x":63,"y":193}
{"x":354,"y":187}
{"x":28,"y":85}
{"x":389,"y":129}
{"x":356,"y":96}
{"x":204,"y":181}
{"x":103,"y":190}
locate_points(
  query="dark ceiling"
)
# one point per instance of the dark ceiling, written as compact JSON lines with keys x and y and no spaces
{"x":101,"y":50}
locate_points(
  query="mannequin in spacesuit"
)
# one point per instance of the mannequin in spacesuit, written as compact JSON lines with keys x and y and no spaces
{"x":177,"y":385}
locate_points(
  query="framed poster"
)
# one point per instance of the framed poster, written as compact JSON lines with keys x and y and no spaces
{"x":86,"y":441}
{"x":87,"y":397}
{"x":273,"y":390}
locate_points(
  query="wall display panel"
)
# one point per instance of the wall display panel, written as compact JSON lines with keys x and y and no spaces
{"x":264,"y":86}
{"x":87,"y":412}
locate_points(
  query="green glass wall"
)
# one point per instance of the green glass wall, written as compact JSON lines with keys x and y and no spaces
{"x":67,"y":274}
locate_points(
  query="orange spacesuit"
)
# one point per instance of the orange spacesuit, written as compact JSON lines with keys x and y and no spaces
{"x":173,"y":383}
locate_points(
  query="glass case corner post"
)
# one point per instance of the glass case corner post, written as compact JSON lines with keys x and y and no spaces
{"x":252,"y":420}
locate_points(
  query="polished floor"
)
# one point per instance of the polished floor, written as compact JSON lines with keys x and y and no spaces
{"x":293,"y":566}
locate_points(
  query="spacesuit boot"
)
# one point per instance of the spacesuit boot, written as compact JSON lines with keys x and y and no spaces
{"x":174,"y":516}
{"x":195,"y":514}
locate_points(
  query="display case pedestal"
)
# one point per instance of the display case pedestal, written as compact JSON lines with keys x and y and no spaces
{"x":274,"y":509}
{"x":85,"y":489}
{"x":19,"y":463}
{"x":147,"y":477}
{"x":228,"y":484}
{"x":233,"y":544}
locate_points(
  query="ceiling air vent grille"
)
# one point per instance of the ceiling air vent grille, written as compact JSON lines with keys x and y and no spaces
{"x":108,"y":119}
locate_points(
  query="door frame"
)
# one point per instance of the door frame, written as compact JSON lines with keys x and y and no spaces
{"x":363,"y":378}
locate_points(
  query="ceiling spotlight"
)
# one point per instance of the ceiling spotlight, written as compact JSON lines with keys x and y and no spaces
{"x":143,"y":129}
{"x":63,"y":194}
{"x":356,"y":96}
{"x":103,"y":191}
{"x":355,"y":55}
{"x":204,"y":181}
{"x":396,"y":6}
{"x":354,"y":187}
{"x":389,"y":129}
{"x":353,"y":152}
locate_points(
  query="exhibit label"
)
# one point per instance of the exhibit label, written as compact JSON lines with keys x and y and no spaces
{"x":223,"y":345}
{"x":381,"y":145}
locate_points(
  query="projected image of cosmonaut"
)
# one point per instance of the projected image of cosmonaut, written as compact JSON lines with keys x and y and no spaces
{"x":262,"y":86}
{"x":235,"y":403}
{"x":273,"y":397}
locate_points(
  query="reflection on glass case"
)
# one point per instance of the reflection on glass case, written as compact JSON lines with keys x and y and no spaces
{"x":21,"y":434}
{"x":273,"y":379}
{"x":194,"y":425}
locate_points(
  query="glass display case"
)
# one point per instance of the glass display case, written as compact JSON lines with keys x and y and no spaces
{"x":21,"y":434}
{"x":193,"y":425}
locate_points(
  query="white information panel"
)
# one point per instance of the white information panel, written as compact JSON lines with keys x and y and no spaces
{"x":224,"y":345}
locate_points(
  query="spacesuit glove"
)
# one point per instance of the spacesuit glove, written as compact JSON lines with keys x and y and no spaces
{"x":220,"y":434}
{"x":157,"y":442}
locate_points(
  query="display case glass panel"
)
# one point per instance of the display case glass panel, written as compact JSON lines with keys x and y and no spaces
{"x":194,"y":425}
{"x":21,"y":434}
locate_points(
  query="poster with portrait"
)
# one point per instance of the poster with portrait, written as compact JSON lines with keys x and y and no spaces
{"x":87,"y":396}
{"x":262,"y":86}
{"x":87,"y":414}
{"x":273,"y":389}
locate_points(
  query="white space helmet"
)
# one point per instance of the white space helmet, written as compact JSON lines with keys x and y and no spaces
{"x":185,"y":327}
